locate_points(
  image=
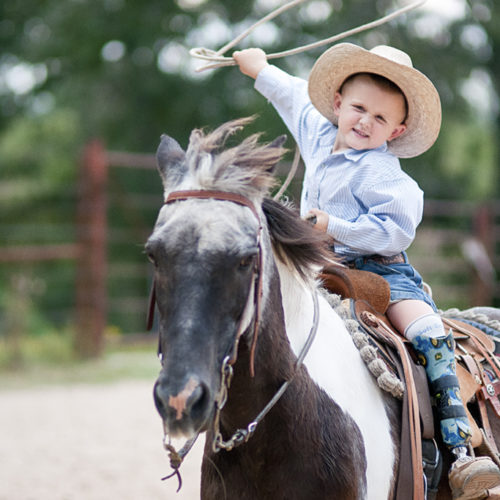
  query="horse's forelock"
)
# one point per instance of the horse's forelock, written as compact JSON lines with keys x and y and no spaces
{"x":245,"y":168}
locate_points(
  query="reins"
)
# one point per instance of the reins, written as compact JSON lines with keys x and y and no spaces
{"x":240,"y":436}
{"x":218,"y":60}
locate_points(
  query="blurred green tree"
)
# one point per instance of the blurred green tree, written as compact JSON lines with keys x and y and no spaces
{"x":123,"y":68}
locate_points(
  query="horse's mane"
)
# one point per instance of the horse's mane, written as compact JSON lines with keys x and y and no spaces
{"x":294,"y":240}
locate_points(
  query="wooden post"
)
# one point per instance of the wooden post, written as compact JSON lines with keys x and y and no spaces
{"x":484,"y":276}
{"x":91,"y":296}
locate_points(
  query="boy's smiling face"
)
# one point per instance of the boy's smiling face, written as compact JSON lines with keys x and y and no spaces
{"x":368,"y":115}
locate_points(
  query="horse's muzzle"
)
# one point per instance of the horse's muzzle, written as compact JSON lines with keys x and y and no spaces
{"x":184,"y":410}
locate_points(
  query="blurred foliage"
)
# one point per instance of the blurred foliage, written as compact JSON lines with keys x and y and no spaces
{"x":38,"y":159}
{"x":120,"y":70}
{"x":469,"y":161}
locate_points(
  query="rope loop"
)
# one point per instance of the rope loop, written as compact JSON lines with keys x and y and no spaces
{"x":206,"y":54}
{"x":218,"y":60}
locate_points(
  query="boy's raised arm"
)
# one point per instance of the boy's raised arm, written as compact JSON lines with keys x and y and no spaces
{"x":251,"y":61}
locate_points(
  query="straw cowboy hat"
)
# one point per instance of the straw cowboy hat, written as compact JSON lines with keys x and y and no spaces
{"x":424,"y":107}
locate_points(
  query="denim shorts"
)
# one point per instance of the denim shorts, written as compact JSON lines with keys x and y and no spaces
{"x":404,"y":280}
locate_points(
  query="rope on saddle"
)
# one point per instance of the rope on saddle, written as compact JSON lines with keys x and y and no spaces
{"x":386,"y":380}
{"x":474,"y":316}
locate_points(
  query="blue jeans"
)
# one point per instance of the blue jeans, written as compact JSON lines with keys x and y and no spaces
{"x":404,"y":280}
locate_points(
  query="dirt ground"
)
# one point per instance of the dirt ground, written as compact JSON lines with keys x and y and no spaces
{"x":87,"y":442}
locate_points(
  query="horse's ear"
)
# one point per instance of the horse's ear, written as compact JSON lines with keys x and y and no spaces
{"x":170,"y":160}
{"x":277,"y":144}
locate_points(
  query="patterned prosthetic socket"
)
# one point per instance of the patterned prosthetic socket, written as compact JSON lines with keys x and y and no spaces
{"x":436,"y":354}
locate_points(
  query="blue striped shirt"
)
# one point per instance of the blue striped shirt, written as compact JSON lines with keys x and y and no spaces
{"x":373,"y":206}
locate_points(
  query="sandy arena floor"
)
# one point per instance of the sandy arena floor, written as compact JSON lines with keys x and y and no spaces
{"x":87,"y":442}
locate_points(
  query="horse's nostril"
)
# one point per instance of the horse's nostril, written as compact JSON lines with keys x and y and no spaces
{"x":199,"y":400}
{"x":159,"y":402}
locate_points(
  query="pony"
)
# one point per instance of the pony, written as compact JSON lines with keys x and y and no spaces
{"x":239,"y":303}
{"x":252,"y":353}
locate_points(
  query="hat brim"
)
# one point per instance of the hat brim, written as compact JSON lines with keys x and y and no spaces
{"x":424,"y":107}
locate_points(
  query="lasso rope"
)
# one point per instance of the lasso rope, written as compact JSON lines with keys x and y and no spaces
{"x":218,"y":60}
{"x":291,"y":174}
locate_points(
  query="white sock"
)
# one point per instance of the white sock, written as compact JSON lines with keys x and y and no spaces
{"x":429,"y":325}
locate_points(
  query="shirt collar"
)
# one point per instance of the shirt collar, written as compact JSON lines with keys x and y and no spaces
{"x":353,"y":155}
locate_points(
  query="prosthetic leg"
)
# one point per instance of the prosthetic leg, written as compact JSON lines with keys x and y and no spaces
{"x":470,"y":478}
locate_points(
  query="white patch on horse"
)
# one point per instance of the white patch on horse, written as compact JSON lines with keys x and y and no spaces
{"x":355,"y":391}
{"x":179,"y":402}
{"x":218,"y":225}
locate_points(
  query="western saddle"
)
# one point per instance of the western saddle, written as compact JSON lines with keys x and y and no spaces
{"x":366,"y":296}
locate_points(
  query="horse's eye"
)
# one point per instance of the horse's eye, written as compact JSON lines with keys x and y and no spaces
{"x":246,"y":261}
{"x":151,"y":258}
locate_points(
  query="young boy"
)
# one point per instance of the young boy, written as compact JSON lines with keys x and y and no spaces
{"x":359,"y":112}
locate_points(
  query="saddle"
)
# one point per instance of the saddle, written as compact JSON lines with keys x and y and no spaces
{"x":478,"y":370}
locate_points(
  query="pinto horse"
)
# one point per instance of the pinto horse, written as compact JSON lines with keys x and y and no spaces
{"x":237,"y":296}
{"x":252,"y":353}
